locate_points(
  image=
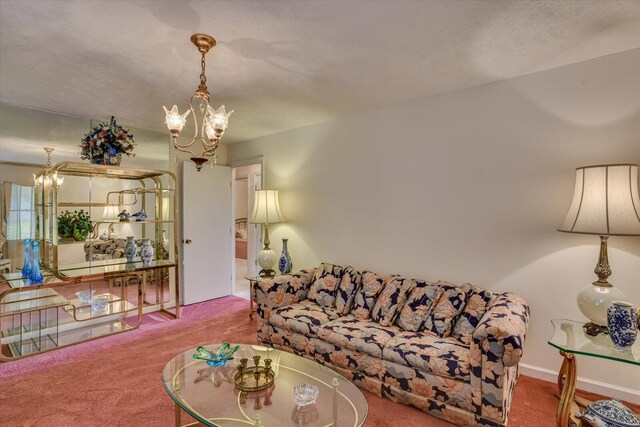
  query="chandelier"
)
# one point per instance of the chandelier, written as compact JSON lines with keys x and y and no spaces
{"x":209,"y":124}
{"x":49,"y":181}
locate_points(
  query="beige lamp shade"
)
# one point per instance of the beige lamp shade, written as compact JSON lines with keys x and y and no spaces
{"x":266,"y":208}
{"x":605,"y":201}
{"x":110,"y":212}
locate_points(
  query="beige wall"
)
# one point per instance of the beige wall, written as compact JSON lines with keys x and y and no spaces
{"x":470,"y":186}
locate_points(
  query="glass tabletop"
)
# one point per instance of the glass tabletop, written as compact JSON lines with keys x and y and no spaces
{"x":210,"y":396}
{"x":571,"y":338}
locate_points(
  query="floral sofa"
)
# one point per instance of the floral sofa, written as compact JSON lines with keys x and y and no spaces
{"x":450,"y":351}
{"x":108,"y":249}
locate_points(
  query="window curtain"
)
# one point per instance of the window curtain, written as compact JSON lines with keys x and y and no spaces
{"x":20,"y":215}
{"x":4,"y":216}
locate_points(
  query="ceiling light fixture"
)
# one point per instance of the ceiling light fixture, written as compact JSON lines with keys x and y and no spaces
{"x":212,"y":123}
{"x":54,"y":179}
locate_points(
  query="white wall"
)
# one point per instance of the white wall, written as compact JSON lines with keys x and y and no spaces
{"x":469,"y":186}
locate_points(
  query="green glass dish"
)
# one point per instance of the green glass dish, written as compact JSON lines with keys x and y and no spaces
{"x":218,"y":357}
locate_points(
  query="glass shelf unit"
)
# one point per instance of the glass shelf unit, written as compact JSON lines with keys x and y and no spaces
{"x":43,"y":317}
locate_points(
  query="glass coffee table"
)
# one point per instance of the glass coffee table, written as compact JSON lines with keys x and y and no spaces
{"x":570,"y":338}
{"x":210,"y":396}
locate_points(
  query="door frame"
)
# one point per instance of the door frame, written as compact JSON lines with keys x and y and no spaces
{"x":257,"y":160}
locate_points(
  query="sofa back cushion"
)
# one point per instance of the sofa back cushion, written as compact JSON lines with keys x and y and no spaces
{"x":418,"y":305}
{"x":393,"y":296}
{"x":367,"y":295}
{"x":325,"y":284}
{"x":446,"y":310}
{"x":349,"y":284}
{"x":478,"y":300}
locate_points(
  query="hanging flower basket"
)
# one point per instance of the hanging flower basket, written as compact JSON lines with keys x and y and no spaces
{"x":106,"y":143}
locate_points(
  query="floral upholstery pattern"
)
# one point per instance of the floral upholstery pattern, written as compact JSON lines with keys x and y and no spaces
{"x":468,"y":385}
{"x":451,"y":391}
{"x":350,"y":282}
{"x":446,"y":310}
{"x":325,"y":284}
{"x":108,"y":249}
{"x":360,"y":335}
{"x":428,"y":353}
{"x":280,"y":291}
{"x":418,"y":305}
{"x":393,"y":296}
{"x":477,"y":303}
{"x":303,"y":317}
{"x":367,"y":294}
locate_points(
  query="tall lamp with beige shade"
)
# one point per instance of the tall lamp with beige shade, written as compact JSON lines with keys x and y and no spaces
{"x":266,"y":210}
{"x":605,"y":203}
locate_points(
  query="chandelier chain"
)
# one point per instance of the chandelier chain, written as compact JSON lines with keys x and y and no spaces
{"x":203,"y":77}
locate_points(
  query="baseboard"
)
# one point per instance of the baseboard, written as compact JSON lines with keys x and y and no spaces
{"x":605,"y":389}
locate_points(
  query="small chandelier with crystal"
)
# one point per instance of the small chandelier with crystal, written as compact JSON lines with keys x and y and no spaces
{"x":52,"y":181}
{"x":210,"y":124}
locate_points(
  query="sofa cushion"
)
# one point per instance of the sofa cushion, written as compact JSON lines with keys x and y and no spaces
{"x":303,"y":317}
{"x":418,"y":305}
{"x":359,"y":335}
{"x":325,"y":284}
{"x":393,"y":296}
{"x":349,"y":284}
{"x":367,"y":295}
{"x":446,"y":311}
{"x":478,"y":300}
{"x":429,"y":353}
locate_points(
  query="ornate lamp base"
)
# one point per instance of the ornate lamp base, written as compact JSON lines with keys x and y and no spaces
{"x":267,"y":273}
{"x":593,"y":329}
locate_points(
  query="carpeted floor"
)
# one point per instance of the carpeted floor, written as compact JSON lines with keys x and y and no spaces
{"x":116,"y":381}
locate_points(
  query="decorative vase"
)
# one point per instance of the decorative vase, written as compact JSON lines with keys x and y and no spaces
{"x":623,"y":324}
{"x":130,"y":248}
{"x":146,"y":251}
{"x":26,"y":267}
{"x":35,"y":277}
{"x":284,"y":264}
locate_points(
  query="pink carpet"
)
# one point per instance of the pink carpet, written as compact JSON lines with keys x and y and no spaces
{"x":116,"y":381}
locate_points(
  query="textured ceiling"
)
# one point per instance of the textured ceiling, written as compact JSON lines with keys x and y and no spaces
{"x":285,"y":64}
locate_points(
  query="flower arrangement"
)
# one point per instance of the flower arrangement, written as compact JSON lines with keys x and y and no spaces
{"x":76,"y":225}
{"x":106,"y":143}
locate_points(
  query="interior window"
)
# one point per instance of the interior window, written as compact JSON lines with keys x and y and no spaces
{"x":21,"y":222}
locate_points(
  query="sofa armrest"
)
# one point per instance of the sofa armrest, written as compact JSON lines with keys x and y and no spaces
{"x":504,"y":323}
{"x":281,"y":290}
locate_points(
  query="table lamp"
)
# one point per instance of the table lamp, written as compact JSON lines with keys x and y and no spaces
{"x":605,"y":203}
{"x":266,"y":210}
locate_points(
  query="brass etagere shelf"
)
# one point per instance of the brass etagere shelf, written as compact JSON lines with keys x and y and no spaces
{"x":43,"y":317}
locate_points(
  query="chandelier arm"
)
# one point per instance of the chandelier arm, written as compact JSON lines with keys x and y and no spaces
{"x":185,"y":151}
{"x":177,"y":144}
{"x":211,"y":151}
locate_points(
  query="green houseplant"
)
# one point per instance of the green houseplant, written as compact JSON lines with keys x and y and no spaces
{"x":76,"y":225}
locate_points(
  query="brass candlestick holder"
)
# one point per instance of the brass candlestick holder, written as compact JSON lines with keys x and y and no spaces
{"x":254,"y":378}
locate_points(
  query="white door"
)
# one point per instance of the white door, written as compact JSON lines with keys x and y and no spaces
{"x":207,"y":228}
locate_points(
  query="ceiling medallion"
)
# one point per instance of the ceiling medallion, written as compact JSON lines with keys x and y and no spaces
{"x":209,"y":124}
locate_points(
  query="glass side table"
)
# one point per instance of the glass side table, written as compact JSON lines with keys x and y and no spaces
{"x":570,"y":339}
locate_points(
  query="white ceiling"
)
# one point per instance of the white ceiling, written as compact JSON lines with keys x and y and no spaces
{"x":285,"y":64}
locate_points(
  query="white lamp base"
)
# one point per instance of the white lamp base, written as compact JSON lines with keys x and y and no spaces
{"x":594,"y":300}
{"x":267,"y":258}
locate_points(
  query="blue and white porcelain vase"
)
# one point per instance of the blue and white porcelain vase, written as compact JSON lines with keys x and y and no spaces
{"x":146,"y":251}
{"x":35,"y":277}
{"x":609,"y":413}
{"x":130,"y":248}
{"x":284,"y":264}
{"x":26,"y":267}
{"x":622,"y":321}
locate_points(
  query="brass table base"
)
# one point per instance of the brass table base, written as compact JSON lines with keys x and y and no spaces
{"x":569,"y":402}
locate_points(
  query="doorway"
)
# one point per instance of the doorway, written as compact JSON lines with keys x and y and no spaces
{"x":245,"y":179}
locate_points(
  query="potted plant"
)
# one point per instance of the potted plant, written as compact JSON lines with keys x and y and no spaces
{"x":65,"y":226}
{"x":74,"y":225}
{"x":106,"y":143}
